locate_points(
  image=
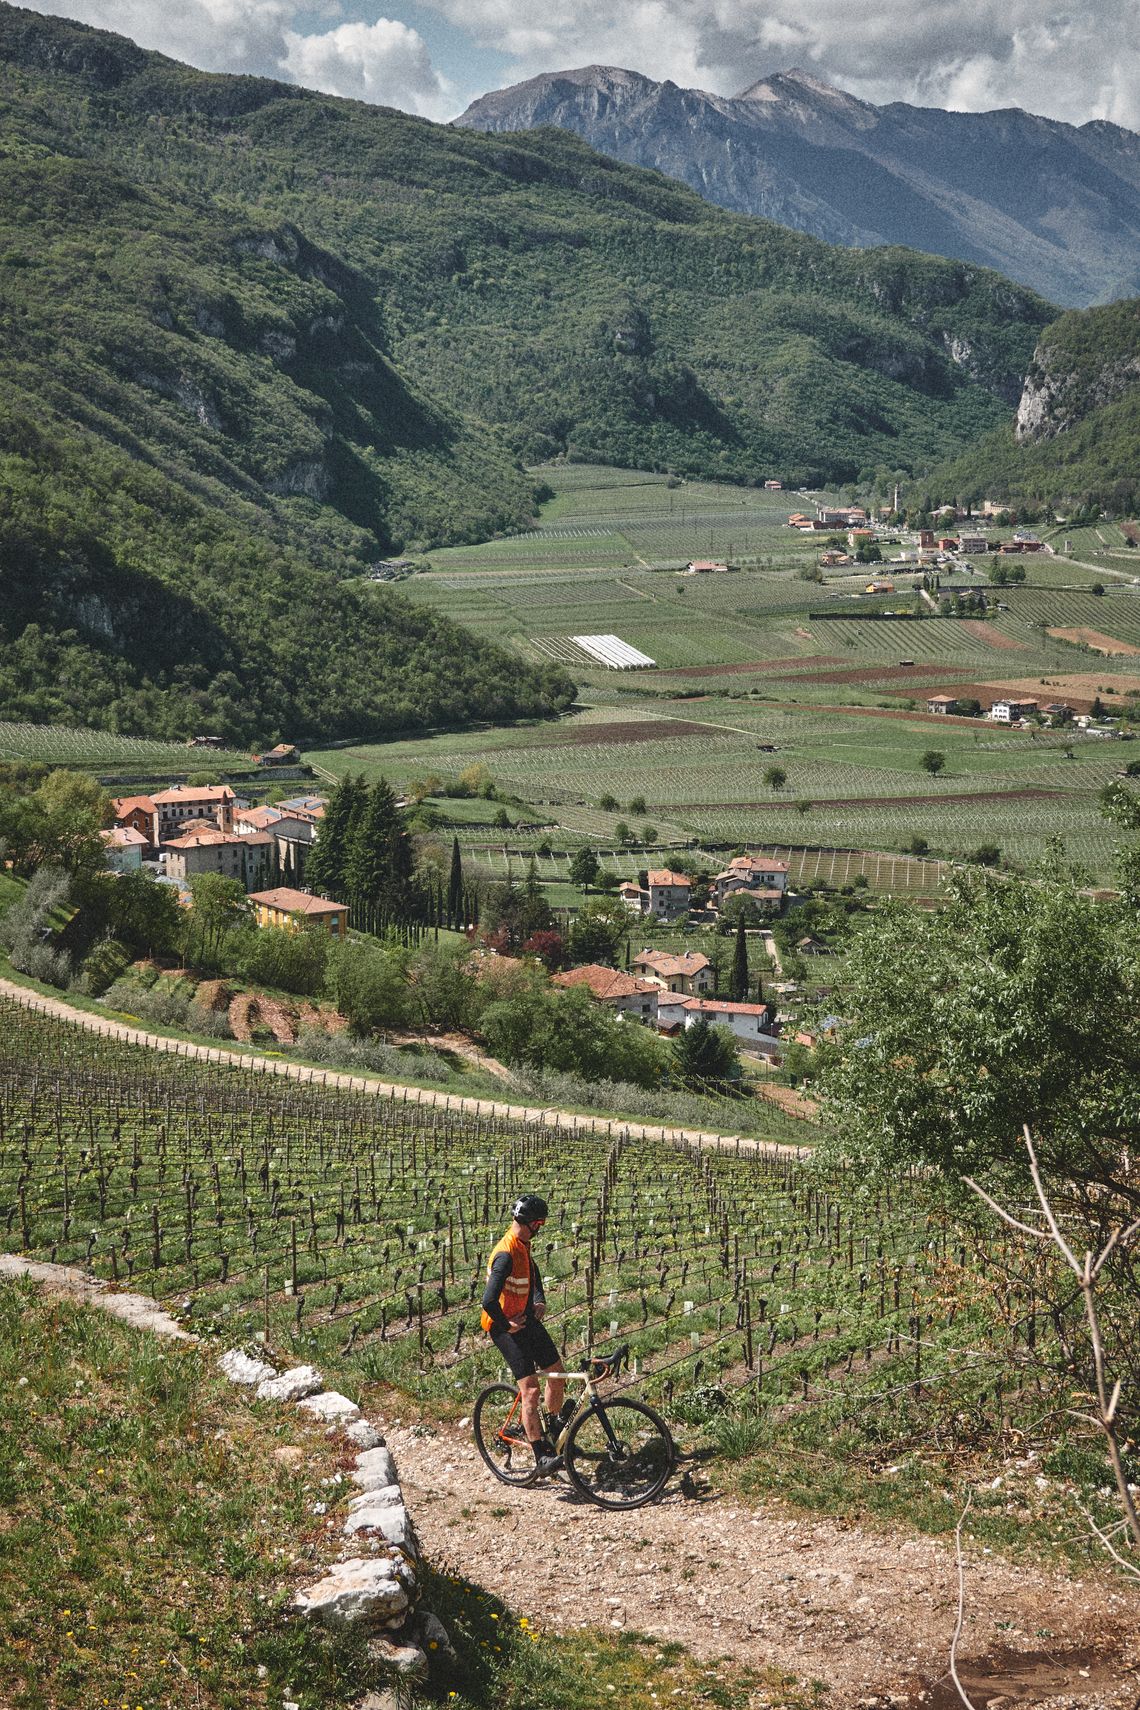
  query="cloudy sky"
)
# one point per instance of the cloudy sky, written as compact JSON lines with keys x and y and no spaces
{"x":433,"y":56}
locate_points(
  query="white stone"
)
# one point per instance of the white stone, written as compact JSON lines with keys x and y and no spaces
{"x":241,"y":1368}
{"x":330,"y":1406}
{"x":407,"y":1660}
{"x":292,"y":1385}
{"x":390,"y":1520}
{"x":374,"y":1468}
{"x":357,"y":1590}
{"x":364,"y":1434}
{"x":383,"y":1496}
{"x":379,"y":1701}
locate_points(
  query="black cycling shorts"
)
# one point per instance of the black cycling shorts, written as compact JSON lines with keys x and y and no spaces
{"x":527,"y":1350}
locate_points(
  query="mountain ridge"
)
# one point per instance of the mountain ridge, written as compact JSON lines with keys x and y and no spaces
{"x":1048,"y":203}
{"x":256,"y":337}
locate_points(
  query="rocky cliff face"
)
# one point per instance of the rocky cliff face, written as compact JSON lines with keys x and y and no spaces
{"x":1055,"y":206}
{"x":1082,"y":364}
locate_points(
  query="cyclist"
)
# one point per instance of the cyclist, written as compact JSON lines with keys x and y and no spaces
{"x":514,"y":1306}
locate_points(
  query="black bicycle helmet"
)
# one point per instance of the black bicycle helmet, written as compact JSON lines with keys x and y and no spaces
{"x":529,"y":1208}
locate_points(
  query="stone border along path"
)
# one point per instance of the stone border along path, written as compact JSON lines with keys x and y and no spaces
{"x":377,"y":1590}
{"x":548,"y":1117}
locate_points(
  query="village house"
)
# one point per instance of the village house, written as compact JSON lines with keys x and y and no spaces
{"x":186,"y":801}
{"x":619,"y":992}
{"x":760,"y":876}
{"x":137,"y":813}
{"x":943,"y":704}
{"x":1060,"y":712}
{"x":634,"y":898}
{"x":705,"y":567}
{"x":879,"y":588}
{"x":123,"y":848}
{"x":284,"y":754}
{"x":292,"y":834}
{"x":773,"y":486}
{"x":1011,"y":712}
{"x":690,"y":973}
{"x":289,"y":910}
{"x":247,"y":856}
{"x":753,"y":1025}
{"x":973,"y":545}
{"x":669,"y":893}
{"x":311,"y":808}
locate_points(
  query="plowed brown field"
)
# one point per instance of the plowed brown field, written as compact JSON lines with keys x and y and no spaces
{"x":1097,"y":640}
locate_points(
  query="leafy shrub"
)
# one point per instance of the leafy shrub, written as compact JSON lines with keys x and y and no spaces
{"x":340,"y":1051}
{"x":40,"y":961}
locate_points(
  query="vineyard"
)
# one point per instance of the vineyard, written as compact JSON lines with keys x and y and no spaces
{"x":60,"y":745}
{"x":353,"y":1231}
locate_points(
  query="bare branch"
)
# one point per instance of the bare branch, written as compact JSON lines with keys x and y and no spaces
{"x":1132,"y":1568}
{"x":1043,"y":1199}
{"x":958,"y":1687}
{"x":1006,"y":1216}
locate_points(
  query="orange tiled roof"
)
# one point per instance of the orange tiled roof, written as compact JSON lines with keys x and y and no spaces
{"x":689,"y":963}
{"x":662,"y":876}
{"x":123,"y":805}
{"x":204,"y":793}
{"x":289,"y":901}
{"x":605,"y":983}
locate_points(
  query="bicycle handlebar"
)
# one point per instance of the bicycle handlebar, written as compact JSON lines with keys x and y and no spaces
{"x":612,"y":1364}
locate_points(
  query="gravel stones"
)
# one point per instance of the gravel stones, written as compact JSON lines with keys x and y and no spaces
{"x":244,"y":1368}
{"x":293,"y":1385}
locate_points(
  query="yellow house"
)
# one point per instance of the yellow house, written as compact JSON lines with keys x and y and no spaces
{"x":282,"y":907}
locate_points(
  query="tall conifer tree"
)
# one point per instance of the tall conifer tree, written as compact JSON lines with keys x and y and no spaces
{"x":455,"y":887}
{"x":738,"y":981}
{"x":325,"y":868}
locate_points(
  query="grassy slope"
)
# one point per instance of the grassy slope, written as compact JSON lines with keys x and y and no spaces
{"x":253,"y":334}
{"x":152,"y":1538}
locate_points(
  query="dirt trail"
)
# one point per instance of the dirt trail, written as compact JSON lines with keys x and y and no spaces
{"x":870,"y":1614}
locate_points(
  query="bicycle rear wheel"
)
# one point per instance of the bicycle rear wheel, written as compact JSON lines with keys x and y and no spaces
{"x":619,"y":1453}
{"x":498,"y":1414}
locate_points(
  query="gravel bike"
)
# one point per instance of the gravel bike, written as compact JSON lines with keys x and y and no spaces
{"x":616,"y":1451}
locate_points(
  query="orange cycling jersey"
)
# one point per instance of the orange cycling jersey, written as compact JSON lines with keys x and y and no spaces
{"x":516,"y":1293}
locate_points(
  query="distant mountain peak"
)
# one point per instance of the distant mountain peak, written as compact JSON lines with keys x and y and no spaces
{"x":1053,"y":205}
{"x":776,"y":88}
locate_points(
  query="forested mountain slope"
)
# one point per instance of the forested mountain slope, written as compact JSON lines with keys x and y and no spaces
{"x":254,"y":337}
{"x":1054,"y":205}
{"x":1077,"y":433}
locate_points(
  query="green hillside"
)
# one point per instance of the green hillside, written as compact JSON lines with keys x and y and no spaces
{"x":255,"y":337}
{"x":1077,"y":439}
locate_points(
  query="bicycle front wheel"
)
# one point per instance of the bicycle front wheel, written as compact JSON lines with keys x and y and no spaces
{"x":499,"y":1434}
{"x":619,"y":1453}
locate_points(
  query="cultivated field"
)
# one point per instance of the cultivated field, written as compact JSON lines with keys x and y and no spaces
{"x":765,"y":668}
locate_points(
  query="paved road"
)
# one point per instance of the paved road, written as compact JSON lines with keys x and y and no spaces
{"x":552,"y":1118}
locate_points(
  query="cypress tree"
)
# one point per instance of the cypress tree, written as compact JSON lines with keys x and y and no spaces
{"x":378,"y":867}
{"x":328,"y":857}
{"x":738,"y":981}
{"x":455,"y":887}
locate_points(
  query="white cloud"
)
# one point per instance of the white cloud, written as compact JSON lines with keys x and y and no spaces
{"x":970,"y":54}
{"x":385,"y":62}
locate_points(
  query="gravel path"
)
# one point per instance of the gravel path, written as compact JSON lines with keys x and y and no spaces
{"x":871,"y":1614}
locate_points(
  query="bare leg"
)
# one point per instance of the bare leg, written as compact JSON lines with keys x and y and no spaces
{"x":528,"y":1394}
{"x":555,"y":1387}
